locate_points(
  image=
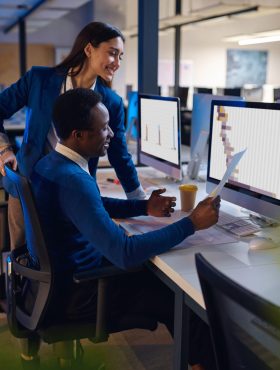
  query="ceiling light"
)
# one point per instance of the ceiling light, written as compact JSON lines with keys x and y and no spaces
{"x":259,"y":40}
{"x":255,"y":38}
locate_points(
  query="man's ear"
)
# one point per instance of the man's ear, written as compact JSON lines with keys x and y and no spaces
{"x":77,"y":134}
{"x":88,"y":49}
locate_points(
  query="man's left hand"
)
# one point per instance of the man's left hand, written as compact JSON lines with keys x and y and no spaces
{"x":160,"y":206}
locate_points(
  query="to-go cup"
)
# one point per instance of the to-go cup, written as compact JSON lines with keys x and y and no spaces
{"x":187,"y":195}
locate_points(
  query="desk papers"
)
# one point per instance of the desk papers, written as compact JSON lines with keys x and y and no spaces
{"x":144,"y":224}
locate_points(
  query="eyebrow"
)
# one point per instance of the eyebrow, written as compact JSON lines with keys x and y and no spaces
{"x":116,"y":49}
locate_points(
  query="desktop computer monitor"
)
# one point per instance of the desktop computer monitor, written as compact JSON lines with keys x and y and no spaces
{"x":159,"y":134}
{"x":203,"y":90}
{"x":276,"y":95}
{"x":255,"y":183}
{"x":232,"y":91}
{"x":181,"y":93}
{"x":201,"y":113}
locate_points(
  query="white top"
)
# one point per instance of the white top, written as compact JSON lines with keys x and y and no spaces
{"x":73,"y":156}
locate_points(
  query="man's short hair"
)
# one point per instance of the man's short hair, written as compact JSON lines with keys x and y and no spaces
{"x":72,"y":109}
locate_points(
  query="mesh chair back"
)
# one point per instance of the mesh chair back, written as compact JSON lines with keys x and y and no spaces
{"x":34,"y":236}
{"x":39,"y":271}
{"x":245,"y":328}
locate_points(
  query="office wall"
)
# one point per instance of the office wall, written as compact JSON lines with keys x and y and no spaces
{"x":9,"y":60}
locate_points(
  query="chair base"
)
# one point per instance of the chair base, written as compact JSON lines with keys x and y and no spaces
{"x":33,"y":364}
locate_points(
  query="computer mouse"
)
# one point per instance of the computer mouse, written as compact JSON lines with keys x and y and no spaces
{"x":261,"y":243}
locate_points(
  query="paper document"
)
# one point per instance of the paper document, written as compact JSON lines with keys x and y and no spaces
{"x":233,"y":163}
{"x":211,"y":236}
{"x":144,"y":224}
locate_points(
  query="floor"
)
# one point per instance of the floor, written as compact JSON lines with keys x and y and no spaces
{"x":129,"y":350}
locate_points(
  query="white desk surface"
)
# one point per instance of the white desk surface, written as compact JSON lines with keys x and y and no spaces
{"x":258,"y":271}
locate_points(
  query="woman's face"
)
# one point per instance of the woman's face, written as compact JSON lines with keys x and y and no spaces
{"x":105,"y":60}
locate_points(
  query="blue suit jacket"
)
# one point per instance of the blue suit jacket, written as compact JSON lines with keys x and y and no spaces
{"x":37,"y":90}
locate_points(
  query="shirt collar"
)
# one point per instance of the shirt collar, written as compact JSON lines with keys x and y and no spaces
{"x":69,"y":85}
{"x":73,"y":156}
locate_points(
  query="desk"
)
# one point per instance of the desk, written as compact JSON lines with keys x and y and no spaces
{"x":257,"y":271}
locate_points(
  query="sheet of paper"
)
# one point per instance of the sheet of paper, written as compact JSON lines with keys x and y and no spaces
{"x":233,"y":163}
{"x":211,"y":236}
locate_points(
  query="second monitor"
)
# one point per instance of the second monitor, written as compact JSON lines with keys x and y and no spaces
{"x":159,"y":134}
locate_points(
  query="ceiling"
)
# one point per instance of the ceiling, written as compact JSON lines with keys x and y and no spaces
{"x":38,"y":13}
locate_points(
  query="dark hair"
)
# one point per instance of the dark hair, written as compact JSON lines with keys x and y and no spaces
{"x":72,"y":110}
{"x":95,"y":33}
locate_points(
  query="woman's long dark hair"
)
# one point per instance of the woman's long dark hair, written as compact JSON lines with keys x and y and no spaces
{"x":95,"y":33}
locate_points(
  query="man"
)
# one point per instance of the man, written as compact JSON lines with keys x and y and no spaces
{"x":77,"y":221}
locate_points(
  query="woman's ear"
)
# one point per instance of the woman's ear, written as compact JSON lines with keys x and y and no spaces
{"x":88,"y":49}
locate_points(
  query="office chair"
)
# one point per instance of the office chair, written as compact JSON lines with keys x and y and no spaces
{"x":245,"y":328}
{"x":29,"y":324}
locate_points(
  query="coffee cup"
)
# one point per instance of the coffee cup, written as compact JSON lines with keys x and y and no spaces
{"x":187,"y":195}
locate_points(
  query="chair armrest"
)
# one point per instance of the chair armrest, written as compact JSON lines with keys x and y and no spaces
{"x":26,"y":271}
{"x":30,"y":273}
{"x":100,"y":272}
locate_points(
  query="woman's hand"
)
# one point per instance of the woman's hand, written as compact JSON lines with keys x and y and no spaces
{"x":160,"y":206}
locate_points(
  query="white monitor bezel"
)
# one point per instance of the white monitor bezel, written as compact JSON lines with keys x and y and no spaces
{"x":170,"y":169}
{"x":242,"y":197}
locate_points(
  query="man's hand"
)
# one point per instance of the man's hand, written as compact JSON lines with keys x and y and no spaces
{"x":7,"y":156}
{"x":206,"y":213}
{"x":160,"y":206}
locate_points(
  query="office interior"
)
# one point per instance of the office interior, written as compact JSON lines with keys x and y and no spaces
{"x":192,"y":43}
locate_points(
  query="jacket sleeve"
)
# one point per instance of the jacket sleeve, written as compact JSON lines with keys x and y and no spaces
{"x":87,"y":213}
{"x":118,"y":154}
{"x":12,"y":99}
{"x":121,"y":208}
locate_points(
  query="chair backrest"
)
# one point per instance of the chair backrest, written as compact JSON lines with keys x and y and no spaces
{"x":245,"y":328}
{"x":40,"y":271}
{"x":33,"y":232}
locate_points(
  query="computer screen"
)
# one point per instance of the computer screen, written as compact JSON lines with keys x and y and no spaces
{"x":201,"y":113}
{"x":255,"y":183}
{"x":159,"y":133}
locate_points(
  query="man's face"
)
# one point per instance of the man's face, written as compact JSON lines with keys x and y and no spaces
{"x":95,"y":140}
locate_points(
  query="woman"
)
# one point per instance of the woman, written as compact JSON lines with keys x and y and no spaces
{"x":92,"y":63}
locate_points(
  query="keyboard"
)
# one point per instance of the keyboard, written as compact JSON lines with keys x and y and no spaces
{"x":237,"y":225}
